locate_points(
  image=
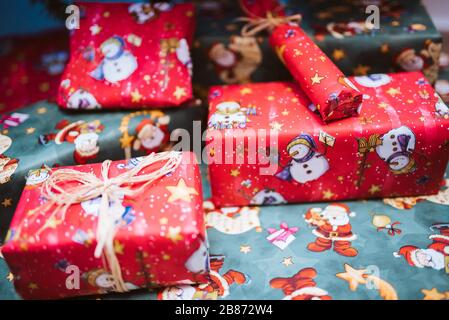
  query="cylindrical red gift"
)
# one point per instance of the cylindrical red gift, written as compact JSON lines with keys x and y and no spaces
{"x":333,"y":95}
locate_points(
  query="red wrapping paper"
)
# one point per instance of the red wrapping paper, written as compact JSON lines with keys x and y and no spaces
{"x":32,"y":68}
{"x":129,"y":56}
{"x":334,"y":96}
{"x":161,"y":239}
{"x":397,"y":146}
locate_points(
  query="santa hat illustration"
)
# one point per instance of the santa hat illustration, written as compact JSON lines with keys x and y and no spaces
{"x":409,"y":253}
{"x":144,"y":123}
{"x":407,"y":54}
{"x":228,"y":107}
{"x":340,"y":207}
{"x":304,"y":139}
{"x":443,"y":236}
{"x":221,"y":283}
{"x":301,"y":286}
{"x":69,"y":131}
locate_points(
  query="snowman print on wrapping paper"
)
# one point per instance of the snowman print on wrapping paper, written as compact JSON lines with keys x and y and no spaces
{"x":373,"y":80}
{"x":198,"y":262}
{"x":83,"y":100}
{"x":307,"y":164}
{"x":229,"y":115}
{"x":145,"y":12}
{"x":267,"y":197}
{"x":396,"y":150}
{"x":123,"y":215}
{"x":118,"y":64}
{"x":37,"y":176}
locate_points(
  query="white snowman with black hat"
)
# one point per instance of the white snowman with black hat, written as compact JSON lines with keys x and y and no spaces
{"x":307,"y":164}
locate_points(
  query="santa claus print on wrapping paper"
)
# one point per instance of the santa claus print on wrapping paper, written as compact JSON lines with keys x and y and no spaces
{"x":103,"y":280}
{"x":396,"y":150}
{"x":267,"y":196}
{"x":441,"y":109}
{"x":332,"y":229}
{"x":229,"y":115}
{"x":124,"y":214}
{"x":7,"y":165}
{"x":117,"y":64}
{"x":84,"y":135}
{"x":152,"y":135}
{"x":301,"y":286}
{"x":307,"y":164}
{"x":232,"y":220}
{"x":145,"y":12}
{"x":435,"y":256}
{"x":82,"y":100}
{"x":219,"y":285}
{"x":373,"y":80}
{"x":237,"y":62}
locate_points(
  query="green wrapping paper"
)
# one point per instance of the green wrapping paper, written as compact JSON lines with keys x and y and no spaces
{"x":406,"y":41}
{"x":42,"y":135}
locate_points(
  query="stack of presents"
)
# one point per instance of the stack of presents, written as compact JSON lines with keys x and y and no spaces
{"x":301,"y":103}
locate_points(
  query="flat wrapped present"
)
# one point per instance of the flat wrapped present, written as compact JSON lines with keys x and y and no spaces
{"x":266,"y":145}
{"x":407,"y":40}
{"x":41,"y":136}
{"x":32,"y":68}
{"x":115,"y":226}
{"x":142,"y":61}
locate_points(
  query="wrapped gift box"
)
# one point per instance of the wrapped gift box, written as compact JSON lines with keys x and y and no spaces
{"x":32,"y":68}
{"x":42,"y":135}
{"x":160,"y":238}
{"x":143,"y":61}
{"x":266,"y":145}
{"x":407,"y":40}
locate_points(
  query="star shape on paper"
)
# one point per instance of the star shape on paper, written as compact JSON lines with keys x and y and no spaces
{"x":30,"y":130}
{"x":119,"y":247}
{"x":41,"y":110}
{"x":276,"y":126}
{"x":181,"y":192}
{"x":95,"y":29}
{"x":244,"y":248}
{"x":52,"y":223}
{"x":353,"y":276}
{"x":33,"y":286}
{"x":338,"y":54}
{"x":366,"y":120}
{"x":126,"y":140}
{"x":361,"y":70}
{"x":174,"y":234}
{"x":235,"y":172}
{"x":322,"y":58}
{"x":393,"y":91}
{"x":434,"y":294}
{"x":271,"y":98}
{"x":163,"y":220}
{"x":297,"y":53}
{"x":136,"y":96}
{"x":179,"y":92}
{"x":340,"y":179}
{"x":245,"y":91}
{"x":166,"y":257}
{"x":10,"y":277}
{"x":44,"y":87}
{"x":328,"y":194}
{"x":374,"y":189}
{"x":285,"y":112}
{"x":383,"y":105}
{"x":7,"y":202}
{"x":316,"y":79}
{"x":288,"y":261}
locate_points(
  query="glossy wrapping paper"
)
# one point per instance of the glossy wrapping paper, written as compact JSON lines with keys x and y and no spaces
{"x":161,"y":239}
{"x":334,"y":96}
{"x":397,"y":146}
{"x":129,"y":56}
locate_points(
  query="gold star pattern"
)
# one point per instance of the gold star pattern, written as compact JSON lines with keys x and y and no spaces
{"x":179,"y":93}
{"x":41,"y":110}
{"x":245,"y":91}
{"x":33,"y":286}
{"x":10,"y":277}
{"x":271,"y":98}
{"x":383,"y":105}
{"x":276,"y":126}
{"x":393,"y":91}
{"x":361,"y":70}
{"x":52,"y":223}
{"x":338,"y":54}
{"x":166,"y":257}
{"x":285,"y":112}
{"x":366,"y":120}
{"x":316,"y":79}
{"x":174,"y":234}
{"x":7,"y":202}
{"x":434,"y":294}
{"x":136,"y":96}
{"x":340,"y":179}
{"x":95,"y":29}
{"x":328,"y":194}
{"x":163,"y":220}
{"x":119,"y":248}
{"x":245,"y":249}
{"x":126,"y":140}
{"x":181,"y":192}
{"x":44,"y":87}
{"x":235,"y":172}
{"x":353,"y":276}
{"x":30,"y":130}
{"x":374,"y":189}
{"x":287,"y":261}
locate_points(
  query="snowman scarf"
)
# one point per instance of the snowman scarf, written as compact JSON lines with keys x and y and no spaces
{"x":285,"y":174}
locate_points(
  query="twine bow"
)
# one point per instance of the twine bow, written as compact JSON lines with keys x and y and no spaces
{"x":67,"y":187}
{"x":286,"y":232}
{"x":254,"y":25}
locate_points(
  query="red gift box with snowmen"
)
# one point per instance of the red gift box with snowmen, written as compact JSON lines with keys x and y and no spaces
{"x":266,"y":143}
{"x":133,"y":235}
{"x":129,"y":56}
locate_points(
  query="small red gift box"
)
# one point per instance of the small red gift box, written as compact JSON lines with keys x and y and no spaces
{"x":266,"y":144}
{"x":118,"y":241}
{"x":129,"y":56}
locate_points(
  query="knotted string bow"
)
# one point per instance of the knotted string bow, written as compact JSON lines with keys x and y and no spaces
{"x":67,"y":187}
{"x":254,"y":25}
